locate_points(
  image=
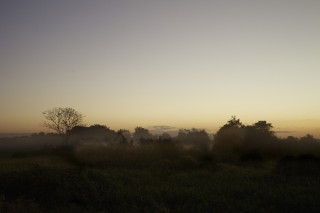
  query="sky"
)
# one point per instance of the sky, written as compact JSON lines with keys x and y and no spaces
{"x":176,"y":63}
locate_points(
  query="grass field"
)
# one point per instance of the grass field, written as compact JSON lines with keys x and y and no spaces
{"x":154,"y":179}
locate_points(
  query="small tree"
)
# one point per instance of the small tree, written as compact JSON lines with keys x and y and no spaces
{"x":141,"y":135}
{"x":196,"y":138}
{"x":229,"y":139}
{"x":62,"y":119}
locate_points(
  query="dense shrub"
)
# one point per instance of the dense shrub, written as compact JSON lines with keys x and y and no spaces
{"x":305,"y":165}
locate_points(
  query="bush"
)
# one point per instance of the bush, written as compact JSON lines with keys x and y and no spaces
{"x":186,"y":162}
{"x":21,"y":206}
{"x":304,"y":165}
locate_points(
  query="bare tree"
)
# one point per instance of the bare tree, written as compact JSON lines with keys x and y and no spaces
{"x":62,"y":119}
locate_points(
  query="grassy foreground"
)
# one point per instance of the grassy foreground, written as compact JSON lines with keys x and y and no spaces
{"x":155,"y":179}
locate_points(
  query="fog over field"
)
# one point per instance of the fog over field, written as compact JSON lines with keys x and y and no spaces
{"x":159,"y":106}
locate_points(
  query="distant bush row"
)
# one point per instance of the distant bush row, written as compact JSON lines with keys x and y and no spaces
{"x":233,"y":140}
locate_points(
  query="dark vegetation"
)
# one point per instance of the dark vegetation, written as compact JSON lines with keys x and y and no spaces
{"x":245,"y":168}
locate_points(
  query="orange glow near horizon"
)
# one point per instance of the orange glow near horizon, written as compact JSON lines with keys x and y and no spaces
{"x":283,"y":128}
{"x":126,"y":64}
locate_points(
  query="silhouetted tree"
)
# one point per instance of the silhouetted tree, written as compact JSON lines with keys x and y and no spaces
{"x":194,"y":137}
{"x":234,"y":122}
{"x":98,"y":128}
{"x":77,"y":130}
{"x":229,"y":139}
{"x":141,"y":135}
{"x":308,"y":139}
{"x":125,"y":136}
{"x":264,"y":126}
{"x":61,"y":119}
{"x":96,"y":133}
{"x":235,"y":139}
{"x":165,"y":138}
{"x":259,"y":133}
{"x":291,"y":139}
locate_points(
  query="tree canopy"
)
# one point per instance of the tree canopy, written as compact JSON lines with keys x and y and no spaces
{"x":62,"y":120}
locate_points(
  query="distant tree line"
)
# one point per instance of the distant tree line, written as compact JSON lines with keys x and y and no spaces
{"x":234,"y":138}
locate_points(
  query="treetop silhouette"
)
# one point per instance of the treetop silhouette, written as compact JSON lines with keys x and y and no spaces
{"x":62,"y":120}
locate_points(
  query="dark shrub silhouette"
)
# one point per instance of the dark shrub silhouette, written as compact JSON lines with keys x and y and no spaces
{"x":93,"y":134}
{"x":235,"y":140}
{"x":252,"y":156}
{"x":125,"y":136}
{"x":142,"y":136}
{"x":305,"y":165}
{"x":165,"y":138}
{"x":229,"y":139}
{"x":186,"y":162}
{"x":259,"y":133}
{"x":194,"y":138}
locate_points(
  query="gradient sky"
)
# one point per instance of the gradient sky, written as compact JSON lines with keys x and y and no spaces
{"x":181,"y":63}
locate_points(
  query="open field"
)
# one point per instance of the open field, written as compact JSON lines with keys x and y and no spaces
{"x":155,"y":179}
